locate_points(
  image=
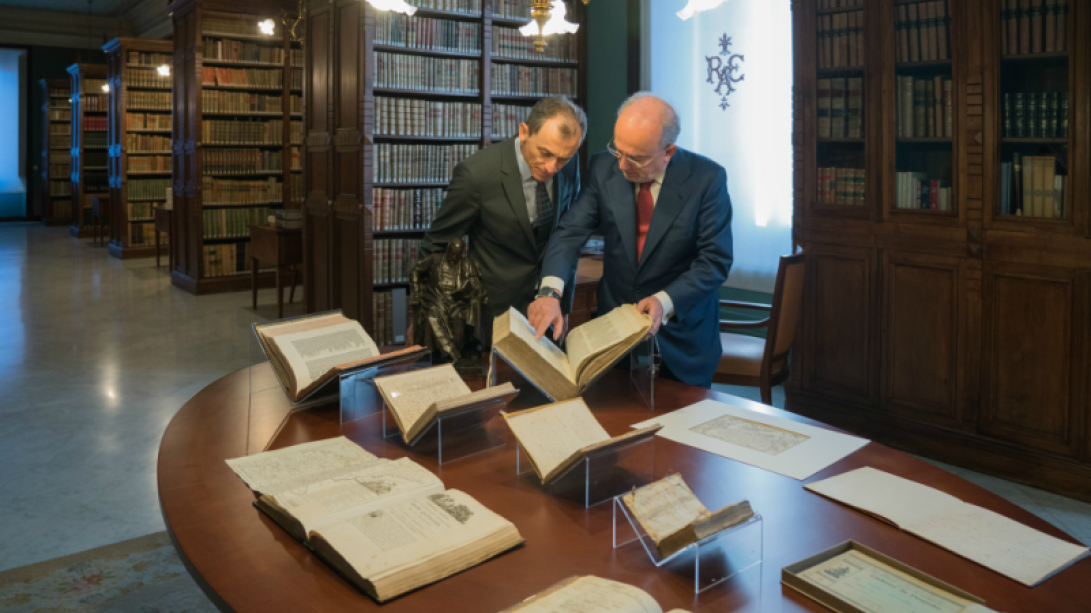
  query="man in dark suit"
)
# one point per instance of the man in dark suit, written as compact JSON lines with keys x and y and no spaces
{"x":507,"y":199}
{"x":666,"y":218}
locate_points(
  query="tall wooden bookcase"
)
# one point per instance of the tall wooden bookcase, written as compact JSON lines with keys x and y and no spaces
{"x":344,"y":148}
{"x":961,"y":334}
{"x":237,"y":116}
{"x":89,"y":143}
{"x":139,"y":141}
{"x":55,"y":192}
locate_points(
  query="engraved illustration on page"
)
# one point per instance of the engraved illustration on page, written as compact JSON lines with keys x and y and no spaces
{"x":750,"y":434}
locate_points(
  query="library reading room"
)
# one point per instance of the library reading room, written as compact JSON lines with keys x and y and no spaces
{"x":545,"y":306}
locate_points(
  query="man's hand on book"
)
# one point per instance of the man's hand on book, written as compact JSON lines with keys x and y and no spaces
{"x":545,"y":312}
{"x":653,"y":309}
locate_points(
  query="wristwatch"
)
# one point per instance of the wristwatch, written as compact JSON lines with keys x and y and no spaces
{"x":548,"y":292}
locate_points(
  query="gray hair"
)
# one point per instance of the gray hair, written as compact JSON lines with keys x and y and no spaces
{"x":671,"y":128}
{"x":553,"y":106}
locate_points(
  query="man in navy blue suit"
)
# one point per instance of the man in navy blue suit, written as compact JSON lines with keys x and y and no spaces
{"x":666,"y":218}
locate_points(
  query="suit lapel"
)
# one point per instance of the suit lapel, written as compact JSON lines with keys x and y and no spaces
{"x":621,"y":195}
{"x":672,"y":195}
{"x":513,"y":189}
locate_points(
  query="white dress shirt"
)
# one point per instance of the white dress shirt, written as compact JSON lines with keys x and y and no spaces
{"x":664,"y":299}
{"x":530,"y":185}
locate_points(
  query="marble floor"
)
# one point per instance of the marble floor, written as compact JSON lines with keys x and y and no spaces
{"x":97,"y":354}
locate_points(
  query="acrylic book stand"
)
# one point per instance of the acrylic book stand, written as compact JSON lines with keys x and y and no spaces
{"x":458,"y":433}
{"x":600,"y":475}
{"x":716,"y":558}
{"x":643,"y":362}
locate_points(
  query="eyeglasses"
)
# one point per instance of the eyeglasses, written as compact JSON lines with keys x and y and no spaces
{"x":621,"y":156}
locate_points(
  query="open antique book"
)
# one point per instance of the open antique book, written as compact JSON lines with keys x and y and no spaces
{"x":977,"y":534}
{"x":558,"y":436}
{"x":420,"y":397}
{"x":673,"y":516}
{"x":388,"y":526}
{"x":592,"y":348}
{"x":306,"y":352}
{"x":590,"y":594}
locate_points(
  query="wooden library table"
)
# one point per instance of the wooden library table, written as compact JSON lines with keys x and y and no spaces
{"x":245,"y":562}
{"x":283,"y":249}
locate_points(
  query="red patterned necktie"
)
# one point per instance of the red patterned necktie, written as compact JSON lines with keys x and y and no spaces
{"x":645,"y":206}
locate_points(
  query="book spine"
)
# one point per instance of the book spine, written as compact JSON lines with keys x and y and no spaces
{"x":1006,"y":115}
{"x":855,"y":109}
{"x":930,"y":112}
{"x":901,"y":37}
{"x":913,"y":32}
{"x":1024,"y":27}
{"x":943,"y":31}
{"x":837,"y":108}
{"x":1017,"y":184}
{"x":920,"y":113}
{"x":1062,"y":26}
{"x":1028,"y":186}
{"x":1036,"y":26}
{"x":928,"y":30}
{"x":907,"y":107}
{"x":1050,"y":16}
{"x":1019,"y":114}
{"x":1013,"y":26}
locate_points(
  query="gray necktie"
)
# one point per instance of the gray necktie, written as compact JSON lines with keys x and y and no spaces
{"x":543,"y":227}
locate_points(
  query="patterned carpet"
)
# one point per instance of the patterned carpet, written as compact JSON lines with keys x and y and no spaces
{"x":142,"y":575}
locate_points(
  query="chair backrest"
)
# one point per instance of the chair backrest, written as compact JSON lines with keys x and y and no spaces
{"x":787,"y":302}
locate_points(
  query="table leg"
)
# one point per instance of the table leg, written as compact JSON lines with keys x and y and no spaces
{"x":254,"y":280}
{"x":280,"y":292}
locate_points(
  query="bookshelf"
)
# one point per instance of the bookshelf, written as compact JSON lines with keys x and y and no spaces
{"x":139,"y":141}
{"x":961,"y":332}
{"x":381,"y":140}
{"x":89,"y":142}
{"x":55,"y":193}
{"x":237,"y":131}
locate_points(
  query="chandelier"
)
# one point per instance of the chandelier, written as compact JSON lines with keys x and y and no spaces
{"x":548,"y":18}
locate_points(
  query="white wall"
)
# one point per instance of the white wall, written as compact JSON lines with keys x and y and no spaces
{"x":752,"y":137}
{"x":12,"y":121}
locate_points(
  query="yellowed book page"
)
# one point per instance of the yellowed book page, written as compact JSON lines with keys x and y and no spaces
{"x":313,"y":353}
{"x":665,"y":507}
{"x":383,"y":483}
{"x":596,"y":336}
{"x":874,"y":587}
{"x":592,"y":594}
{"x":303,"y":325}
{"x":545,"y":348}
{"x":479,"y":396}
{"x":893,"y":498}
{"x":271,"y":471}
{"x":385,"y":541}
{"x":410,"y":394}
{"x":551,"y":434}
{"x":997,"y":542}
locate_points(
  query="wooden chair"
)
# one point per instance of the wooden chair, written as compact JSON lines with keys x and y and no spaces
{"x":756,"y":362}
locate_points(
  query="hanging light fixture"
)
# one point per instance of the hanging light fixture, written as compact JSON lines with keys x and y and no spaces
{"x":398,"y":6}
{"x":548,"y":18}
{"x":164,"y":70}
{"x":267,"y":27}
{"x":106,"y":87}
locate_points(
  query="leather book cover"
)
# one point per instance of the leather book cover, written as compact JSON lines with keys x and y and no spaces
{"x":901,"y":36}
{"x":1061,"y":43}
{"x":1036,"y":26}
{"x":1024,"y":27}
{"x":1050,"y":26}
{"x":913,"y":33}
{"x":927,"y":31}
{"x":943,"y":31}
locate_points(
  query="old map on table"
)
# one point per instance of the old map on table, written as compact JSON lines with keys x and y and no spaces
{"x":750,"y":434}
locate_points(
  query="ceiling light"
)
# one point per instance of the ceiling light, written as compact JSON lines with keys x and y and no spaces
{"x":398,"y":6}
{"x":164,"y":70}
{"x":696,"y":6}
{"x":548,"y":19}
{"x":266,"y":26}
{"x":106,"y":87}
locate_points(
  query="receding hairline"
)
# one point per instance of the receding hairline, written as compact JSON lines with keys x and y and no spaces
{"x":647,"y":103}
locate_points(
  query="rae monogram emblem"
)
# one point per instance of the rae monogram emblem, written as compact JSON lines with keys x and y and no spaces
{"x":724,"y":70}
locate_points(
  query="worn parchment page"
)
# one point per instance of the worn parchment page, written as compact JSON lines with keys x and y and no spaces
{"x":545,"y":348}
{"x":269,"y":471}
{"x":552,"y":433}
{"x":410,"y":394}
{"x":313,"y":353}
{"x":591,"y":594}
{"x":996,"y":542}
{"x":750,"y":434}
{"x":381,"y":483}
{"x":596,"y":336}
{"x":887,"y":496}
{"x":378,"y":543}
{"x":479,"y":397}
{"x":875,"y":587}
{"x":665,"y":507}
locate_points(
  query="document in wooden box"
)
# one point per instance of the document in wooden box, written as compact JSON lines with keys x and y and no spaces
{"x":589,"y":594}
{"x":592,"y":348}
{"x":674,"y":518}
{"x":980,"y":535}
{"x":557,"y":436}
{"x":306,"y":352}
{"x":853,"y":578}
{"x":388,"y":526}
{"x":419,"y":397}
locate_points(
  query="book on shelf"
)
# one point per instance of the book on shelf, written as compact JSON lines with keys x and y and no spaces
{"x":506,"y":119}
{"x":1035,"y":115}
{"x":396,"y":163}
{"x":517,"y":80}
{"x":915,"y":190}
{"x":924,"y":107}
{"x":557,"y":437}
{"x":419,"y":398}
{"x":414,"y":32}
{"x":387,"y":526}
{"x":468,"y":7}
{"x":591,"y":348}
{"x":509,"y":9}
{"x":405,"y":209}
{"x":393,"y":259}
{"x":1003,"y":545}
{"x":590,"y":594}
{"x":306,"y":352}
{"x":250,"y":78}
{"x":1031,"y":187}
{"x":411,"y":117}
{"x":674,"y":518}
{"x":841,"y":186}
{"x":230,"y":192}
{"x":232,"y":222}
{"x":436,"y":74}
{"x":227,"y":50}
{"x":841,"y":108}
{"x":509,"y":43}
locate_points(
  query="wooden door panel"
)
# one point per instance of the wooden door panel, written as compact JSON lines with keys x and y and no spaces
{"x":921,"y":315}
{"x":1035,"y":357}
{"x":317,"y":154}
{"x":840,"y":304}
{"x":346,"y":269}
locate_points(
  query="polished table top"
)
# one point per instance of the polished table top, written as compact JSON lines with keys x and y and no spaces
{"x":245,"y":562}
